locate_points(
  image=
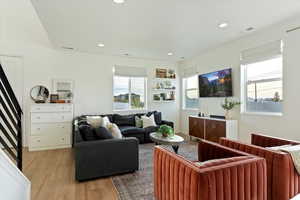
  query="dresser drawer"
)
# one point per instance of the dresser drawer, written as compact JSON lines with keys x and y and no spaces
{"x":52,"y":108}
{"x":50,"y":128}
{"x":51,"y":117}
{"x":48,"y":141}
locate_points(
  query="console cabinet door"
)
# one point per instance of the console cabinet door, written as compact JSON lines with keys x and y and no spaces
{"x":214,"y":130}
{"x":196,"y":127}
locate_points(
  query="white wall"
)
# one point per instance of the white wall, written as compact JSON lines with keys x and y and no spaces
{"x":228,"y":55}
{"x":22,"y":34}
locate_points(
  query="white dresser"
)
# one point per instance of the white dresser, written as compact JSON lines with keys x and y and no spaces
{"x":51,"y":126}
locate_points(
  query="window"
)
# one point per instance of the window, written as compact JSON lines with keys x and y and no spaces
{"x":190,"y":93}
{"x":129,"y":93}
{"x":263,"y":85}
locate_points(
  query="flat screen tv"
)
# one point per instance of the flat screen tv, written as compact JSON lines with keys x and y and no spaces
{"x":216,"y":84}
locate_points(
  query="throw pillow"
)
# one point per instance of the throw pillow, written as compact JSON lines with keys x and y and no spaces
{"x":138,"y":122}
{"x":115,"y":131}
{"x":124,"y":120}
{"x":94,"y":121}
{"x":157,"y":117}
{"x":148,"y":121}
{"x":102,"y":133}
{"x":105,"y":122}
{"x":86,"y":132}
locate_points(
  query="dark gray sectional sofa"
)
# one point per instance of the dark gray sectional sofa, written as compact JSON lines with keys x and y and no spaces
{"x":105,"y":157}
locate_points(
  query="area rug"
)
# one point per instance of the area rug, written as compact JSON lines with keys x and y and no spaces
{"x":139,"y":185}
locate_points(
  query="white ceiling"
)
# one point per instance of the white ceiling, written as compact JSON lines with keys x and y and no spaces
{"x":152,"y":28}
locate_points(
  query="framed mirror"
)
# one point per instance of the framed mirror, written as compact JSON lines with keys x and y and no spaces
{"x":39,"y":94}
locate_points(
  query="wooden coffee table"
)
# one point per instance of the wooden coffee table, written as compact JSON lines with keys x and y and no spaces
{"x":174,"y":141}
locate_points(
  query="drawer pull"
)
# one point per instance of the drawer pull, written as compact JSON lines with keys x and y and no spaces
{"x":38,"y":129}
{"x":62,"y":127}
{"x":38,"y":117}
{"x":38,"y":140}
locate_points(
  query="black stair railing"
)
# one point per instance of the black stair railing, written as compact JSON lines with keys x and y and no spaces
{"x":11,"y":120}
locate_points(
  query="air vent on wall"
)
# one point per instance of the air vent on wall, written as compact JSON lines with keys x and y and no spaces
{"x":67,"y":48}
{"x":249,"y":29}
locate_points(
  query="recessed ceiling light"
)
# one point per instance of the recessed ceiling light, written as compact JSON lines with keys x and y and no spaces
{"x":170,"y":54}
{"x":223,"y":25}
{"x":100,"y":45}
{"x":119,"y":1}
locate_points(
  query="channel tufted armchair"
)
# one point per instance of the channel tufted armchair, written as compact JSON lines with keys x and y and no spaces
{"x":283,"y":179}
{"x":232,"y":175}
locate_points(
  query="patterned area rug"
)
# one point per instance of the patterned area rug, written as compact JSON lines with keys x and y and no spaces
{"x":139,"y":185}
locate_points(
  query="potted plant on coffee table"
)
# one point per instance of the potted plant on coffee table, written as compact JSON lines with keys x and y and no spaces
{"x":166,"y":131}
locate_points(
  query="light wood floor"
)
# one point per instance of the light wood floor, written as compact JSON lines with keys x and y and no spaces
{"x":52,"y":177}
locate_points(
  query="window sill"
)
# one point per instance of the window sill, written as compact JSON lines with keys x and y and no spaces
{"x":190,"y":109}
{"x":263,"y":114}
{"x":131,"y":110}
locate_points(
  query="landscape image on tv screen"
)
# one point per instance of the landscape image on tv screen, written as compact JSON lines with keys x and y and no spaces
{"x":216,"y":84}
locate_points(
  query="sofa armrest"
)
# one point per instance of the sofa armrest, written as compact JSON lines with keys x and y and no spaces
{"x":269,"y":141}
{"x":101,"y":158}
{"x":209,"y":150}
{"x":282,"y":176}
{"x":178,"y":178}
{"x":169,"y":123}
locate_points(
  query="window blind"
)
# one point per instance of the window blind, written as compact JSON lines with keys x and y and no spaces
{"x":261,"y":53}
{"x":130,"y":71}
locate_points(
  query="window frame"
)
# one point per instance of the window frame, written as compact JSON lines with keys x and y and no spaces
{"x":244,"y":89}
{"x":129,"y":94}
{"x":184,"y":94}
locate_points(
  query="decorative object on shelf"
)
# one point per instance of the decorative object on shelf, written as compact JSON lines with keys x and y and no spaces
{"x":53,"y":98}
{"x":39,"y":94}
{"x":166,"y":131}
{"x":171,"y":74}
{"x":228,"y":105}
{"x":64,"y":89}
{"x":161,"y":73}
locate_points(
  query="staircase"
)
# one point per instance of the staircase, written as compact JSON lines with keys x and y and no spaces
{"x":10,"y":121}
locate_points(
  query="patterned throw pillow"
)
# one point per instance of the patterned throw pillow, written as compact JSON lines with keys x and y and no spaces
{"x":138,"y":122}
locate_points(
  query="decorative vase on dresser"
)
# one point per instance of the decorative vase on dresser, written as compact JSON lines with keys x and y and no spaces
{"x":51,"y":126}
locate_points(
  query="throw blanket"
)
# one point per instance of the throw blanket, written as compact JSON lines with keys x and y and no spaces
{"x":294,"y":151}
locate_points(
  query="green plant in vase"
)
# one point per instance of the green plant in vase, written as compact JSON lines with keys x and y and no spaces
{"x":228,"y":105}
{"x":166,"y":131}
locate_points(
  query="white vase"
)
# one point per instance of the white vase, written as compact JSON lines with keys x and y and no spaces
{"x":228,"y":114}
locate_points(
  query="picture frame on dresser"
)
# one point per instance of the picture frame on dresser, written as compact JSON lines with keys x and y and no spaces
{"x":64,"y":88}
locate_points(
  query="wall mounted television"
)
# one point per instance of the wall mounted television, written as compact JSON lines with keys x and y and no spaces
{"x":216,"y":84}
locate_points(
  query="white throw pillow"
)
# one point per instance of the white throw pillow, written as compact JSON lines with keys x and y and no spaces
{"x":115,"y":131}
{"x":94,"y":121}
{"x":105,"y":122}
{"x":148,"y":121}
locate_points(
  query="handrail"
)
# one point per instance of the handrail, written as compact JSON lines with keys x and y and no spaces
{"x":11,"y":120}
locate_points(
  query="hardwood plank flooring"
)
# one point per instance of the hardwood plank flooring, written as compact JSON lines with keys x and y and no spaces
{"x":52,"y":177}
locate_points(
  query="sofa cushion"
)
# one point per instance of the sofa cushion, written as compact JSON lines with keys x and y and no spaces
{"x":148,"y":114}
{"x":102,"y":133}
{"x":151,"y":129}
{"x":127,"y":130}
{"x":124,"y":120}
{"x":86,"y":132}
